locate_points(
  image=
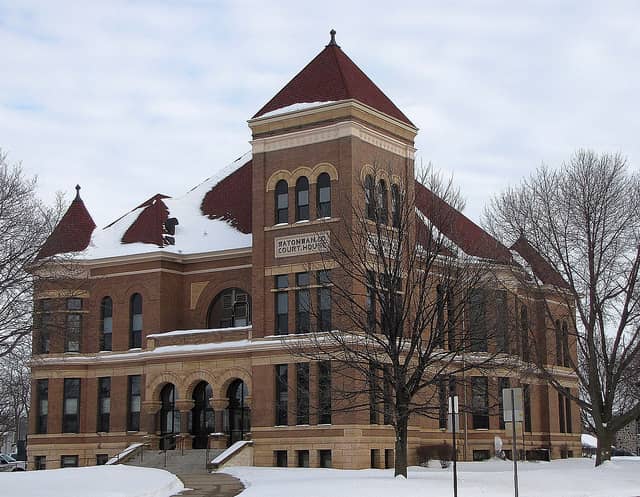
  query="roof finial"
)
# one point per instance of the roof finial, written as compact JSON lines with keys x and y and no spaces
{"x":332,"y":42}
{"x":77,"y":192}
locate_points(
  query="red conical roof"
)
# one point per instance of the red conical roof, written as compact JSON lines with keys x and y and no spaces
{"x":330,"y":77}
{"x":73,"y":231}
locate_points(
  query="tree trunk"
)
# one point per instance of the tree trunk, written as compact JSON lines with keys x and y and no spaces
{"x":401,"y":448}
{"x":603,"y":452}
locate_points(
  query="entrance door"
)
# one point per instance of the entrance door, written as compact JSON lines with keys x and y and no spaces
{"x":202,"y":416}
{"x":239,"y":416}
{"x":169,"y":421}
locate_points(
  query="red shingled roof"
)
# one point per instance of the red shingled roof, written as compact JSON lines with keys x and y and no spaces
{"x":230,"y":199}
{"x":73,"y":232}
{"x":458,"y":228}
{"x":539,"y":265}
{"x":149,"y":225}
{"x":332,"y":76}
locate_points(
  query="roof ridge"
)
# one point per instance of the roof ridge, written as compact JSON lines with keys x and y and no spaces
{"x":340,"y":71}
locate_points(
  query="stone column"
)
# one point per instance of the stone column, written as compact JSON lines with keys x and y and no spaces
{"x":184,"y":406}
{"x":149,"y":413}
{"x":219,"y":439}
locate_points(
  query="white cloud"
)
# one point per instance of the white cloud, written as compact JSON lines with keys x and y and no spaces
{"x":129,"y":99}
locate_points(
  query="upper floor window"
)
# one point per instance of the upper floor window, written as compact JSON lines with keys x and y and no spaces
{"x":524,"y":333}
{"x":395,"y":206}
{"x":134,"y":402}
{"x":565,"y":345}
{"x":106,"y":323}
{"x":73,"y":330}
{"x":104,"y":404}
{"x":324,"y":195}
{"x":282,"y":202}
{"x":480,"y":402}
{"x":368,"y":198}
{"x":42,"y":406}
{"x":303,"y":303}
{"x":478,"y":320}
{"x":135,"y":321}
{"x":381,"y":202}
{"x":302,"y":199}
{"x":230,"y":308}
{"x":282,"y":394}
{"x":324,"y":300}
{"x":71,"y":406}
{"x":45,"y":320}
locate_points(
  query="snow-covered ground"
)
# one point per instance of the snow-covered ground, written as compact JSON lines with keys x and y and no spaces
{"x":562,"y":478}
{"x":96,"y":481}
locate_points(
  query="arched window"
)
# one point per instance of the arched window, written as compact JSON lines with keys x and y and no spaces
{"x":395,"y":206}
{"x":324,"y":195}
{"x":239,"y":419}
{"x":230,"y":308}
{"x":302,"y":198}
{"x":368,"y":198}
{"x":381,"y":202}
{"x":169,"y":416}
{"x":282,"y":202}
{"x":106,"y":323}
{"x":565,"y":345}
{"x":135,"y":321}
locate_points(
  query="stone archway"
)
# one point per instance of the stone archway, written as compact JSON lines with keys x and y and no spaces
{"x":202,"y":415}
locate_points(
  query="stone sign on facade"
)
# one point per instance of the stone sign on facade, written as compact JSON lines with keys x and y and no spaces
{"x":302,"y":244}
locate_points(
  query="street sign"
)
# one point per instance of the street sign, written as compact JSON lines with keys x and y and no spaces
{"x":515,"y":407}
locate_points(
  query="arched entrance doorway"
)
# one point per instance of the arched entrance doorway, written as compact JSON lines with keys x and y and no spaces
{"x":238,"y":419}
{"x":202,"y":416}
{"x":169,"y":417}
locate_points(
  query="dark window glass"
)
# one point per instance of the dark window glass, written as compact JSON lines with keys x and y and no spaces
{"x":368,"y":198}
{"x":302,"y":199}
{"x":502,"y":384}
{"x":451,"y":320}
{"x":134,"y":401}
{"x":135,"y":321}
{"x":565,"y":345}
{"x":45,"y":320}
{"x":323,"y":187}
{"x":480,"y":402}
{"x":230,"y":308}
{"x":438,"y":340}
{"x":282,"y":281}
{"x":324,"y":456}
{"x":302,"y":393}
{"x":381,"y":202}
{"x":567,"y":402}
{"x":374,"y":419}
{"x":323,"y":277}
{"x":324,"y":309}
{"x":478,"y":320}
{"x":40,"y":462}
{"x":281,"y":458}
{"x":282,"y":313}
{"x":526,"y":400}
{"x":74,"y":304}
{"x":324,"y":392}
{"x":561,"y":413}
{"x":101,"y":459}
{"x":371,"y":302}
{"x":42,"y":406}
{"x":501,"y":313}
{"x":395,"y":206}
{"x":387,"y":395}
{"x":73,"y":333}
{"x":106,"y":323}
{"x":282,"y":202}
{"x":282,"y":394}
{"x":303,"y":304}
{"x":524,"y":334}
{"x":388,"y":458}
{"x":71,"y":406}
{"x":303,"y":458}
{"x":104,"y":404}
{"x":443,"y":402}
{"x":68,"y":461}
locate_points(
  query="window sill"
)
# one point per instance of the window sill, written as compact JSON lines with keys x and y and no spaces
{"x":322,"y":220}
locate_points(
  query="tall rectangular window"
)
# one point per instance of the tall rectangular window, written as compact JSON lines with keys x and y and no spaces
{"x":324,"y":392}
{"x":45,"y":320}
{"x":282,"y":394}
{"x":324,"y":301}
{"x":71,"y":406}
{"x":134,"y":401}
{"x":524,"y":334}
{"x":302,"y":393}
{"x":480,"y":402}
{"x":374,"y":419}
{"x":502,"y":384}
{"x":478,"y":320}
{"x":564,"y":411}
{"x":106,"y":323}
{"x":526,"y":400}
{"x":135,"y":321}
{"x":42,"y":406}
{"x":104,"y":404}
{"x":73,"y":330}
{"x":303,"y":303}
{"x":561,"y":413}
{"x":501,"y":313}
{"x":387,"y":393}
{"x":281,"y":305}
{"x":371,"y":302}
{"x":438,"y":339}
{"x":443,"y":402}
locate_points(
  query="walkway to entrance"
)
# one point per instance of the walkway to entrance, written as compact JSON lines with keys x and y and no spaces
{"x":210,"y":485}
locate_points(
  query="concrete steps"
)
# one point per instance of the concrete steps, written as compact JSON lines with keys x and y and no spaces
{"x":193,"y":461}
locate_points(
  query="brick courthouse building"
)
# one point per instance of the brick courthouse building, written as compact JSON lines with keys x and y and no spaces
{"x":173,"y":326}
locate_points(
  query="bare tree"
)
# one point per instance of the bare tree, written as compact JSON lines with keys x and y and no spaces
{"x":25,"y":224}
{"x":584,"y":217}
{"x":15,"y":382}
{"x":398,"y":288}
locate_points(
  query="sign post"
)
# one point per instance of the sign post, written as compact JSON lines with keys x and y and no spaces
{"x":512,"y":411}
{"x":453,"y":413}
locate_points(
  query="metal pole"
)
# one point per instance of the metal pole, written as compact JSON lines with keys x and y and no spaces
{"x":455,"y":451}
{"x":514,"y":442}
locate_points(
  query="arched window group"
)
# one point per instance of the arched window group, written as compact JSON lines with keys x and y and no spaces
{"x":106,"y":322}
{"x":376,"y":198}
{"x":303,"y":199}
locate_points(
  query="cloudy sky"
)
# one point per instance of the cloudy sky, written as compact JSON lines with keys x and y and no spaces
{"x":134,"y":98}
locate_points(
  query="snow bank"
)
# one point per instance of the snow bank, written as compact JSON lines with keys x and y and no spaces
{"x":561,"y":478}
{"x":95,"y":481}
